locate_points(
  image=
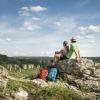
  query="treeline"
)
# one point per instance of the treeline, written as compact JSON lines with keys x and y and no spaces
{"x":4,"y":59}
{"x":95,"y":59}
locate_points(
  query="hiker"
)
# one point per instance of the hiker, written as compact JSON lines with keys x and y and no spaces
{"x":44,"y":73}
{"x":61,"y":55}
{"x":74,"y":52}
{"x":52,"y":74}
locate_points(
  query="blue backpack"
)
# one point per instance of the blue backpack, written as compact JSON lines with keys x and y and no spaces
{"x":52,"y":74}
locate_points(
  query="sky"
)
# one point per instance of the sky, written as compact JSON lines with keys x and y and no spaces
{"x":39,"y":27}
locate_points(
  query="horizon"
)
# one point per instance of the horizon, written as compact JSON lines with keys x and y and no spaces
{"x":43,"y":56}
{"x":39,"y":27}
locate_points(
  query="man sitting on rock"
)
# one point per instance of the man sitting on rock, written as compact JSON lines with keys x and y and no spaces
{"x":74,"y":52}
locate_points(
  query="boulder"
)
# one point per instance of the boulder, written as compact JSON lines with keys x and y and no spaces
{"x":40,"y":82}
{"x":97,"y":72}
{"x":20,"y":94}
{"x":97,"y":65}
{"x":80,"y":74}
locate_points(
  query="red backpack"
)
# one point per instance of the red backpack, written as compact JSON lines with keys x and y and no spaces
{"x":44,"y":74}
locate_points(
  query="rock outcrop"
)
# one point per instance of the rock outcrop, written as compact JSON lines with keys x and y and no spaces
{"x":3,"y":77}
{"x":84,"y":75}
{"x":20,"y":94}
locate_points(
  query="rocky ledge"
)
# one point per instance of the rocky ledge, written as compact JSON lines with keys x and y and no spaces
{"x":84,"y":75}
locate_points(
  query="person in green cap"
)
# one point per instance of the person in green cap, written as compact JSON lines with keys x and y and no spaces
{"x":74,"y":52}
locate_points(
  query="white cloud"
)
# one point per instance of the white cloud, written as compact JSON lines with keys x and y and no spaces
{"x":30,"y":25}
{"x":25,"y":8}
{"x":37,"y":8}
{"x":55,"y":25}
{"x":87,"y":38}
{"x":88,"y":33}
{"x":91,"y":29}
{"x":64,"y":24}
{"x":23,"y":13}
{"x":26,"y":11}
{"x":35,"y":18}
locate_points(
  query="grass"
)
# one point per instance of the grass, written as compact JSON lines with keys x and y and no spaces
{"x":38,"y":93}
{"x":15,"y":85}
{"x":46,"y":93}
{"x":29,"y":73}
{"x":59,"y":94}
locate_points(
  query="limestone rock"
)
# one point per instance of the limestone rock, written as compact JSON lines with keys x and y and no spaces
{"x":20,"y":95}
{"x":93,"y":85}
{"x":40,"y":82}
{"x":81,"y":74}
{"x":3,"y":71}
{"x":97,"y":72}
{"x":97,"y":65}
{"x":3,"y":77}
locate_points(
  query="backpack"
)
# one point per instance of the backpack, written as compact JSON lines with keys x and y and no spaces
{"x":52,"y":74}
{"x":43,"y":74}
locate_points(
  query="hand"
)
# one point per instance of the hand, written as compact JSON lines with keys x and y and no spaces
{"x":78,"y":59}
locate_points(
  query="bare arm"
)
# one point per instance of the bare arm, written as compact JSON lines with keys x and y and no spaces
{"x":75,"y":53}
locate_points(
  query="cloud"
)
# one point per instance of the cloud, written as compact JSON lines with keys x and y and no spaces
{"x":54,"y":25}
{"x":32,"y":24}
{"x":26,"y":11}
{"x":35,"y":18}
{"x":37,"y":8}
{"x":91,"y":29}
{"x":87,"y":32}
{"x":80,"y":36}
{"x":64,"y":24}
{"x":87,"y":39}
{"x":61,"y":25}
{"x":25,"y":8}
